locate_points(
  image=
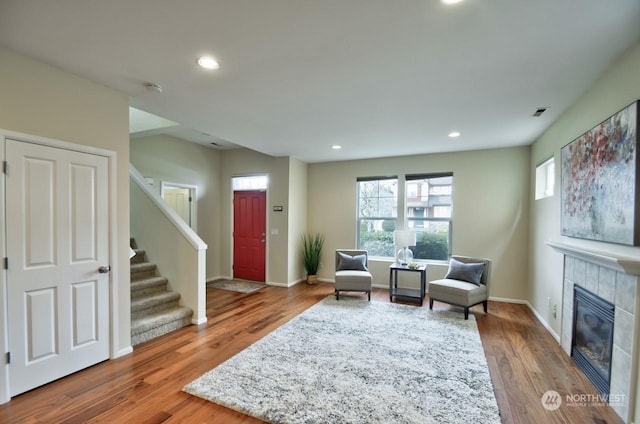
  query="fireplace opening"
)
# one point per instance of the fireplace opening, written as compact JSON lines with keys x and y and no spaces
{"x":592,"y":342}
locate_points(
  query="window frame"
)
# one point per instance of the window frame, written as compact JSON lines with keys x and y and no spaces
{"x":545,"y":178}
{"x":360,"y":218}
{"x":409,"y":178}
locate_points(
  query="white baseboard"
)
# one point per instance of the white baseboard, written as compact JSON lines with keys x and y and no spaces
{"x":543,"y":322}
{"x":508,"y":300}
{"x":199,"y":321}
{"x":219,"y":277}
{"x":122,"y":352}
{"x":278,"y":284}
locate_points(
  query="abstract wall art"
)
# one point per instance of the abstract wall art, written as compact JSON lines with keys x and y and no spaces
{"x":599,"y":181}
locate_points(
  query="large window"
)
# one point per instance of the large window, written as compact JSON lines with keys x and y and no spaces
{"x":428,"y":212}
{"x":377,"y":214}
{"x":426,"y":209}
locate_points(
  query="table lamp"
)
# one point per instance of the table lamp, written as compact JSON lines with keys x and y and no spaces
{"x":403,"y":239}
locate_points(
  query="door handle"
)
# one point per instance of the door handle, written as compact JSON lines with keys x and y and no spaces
{"x":104,"y":269}
{"x":262,"y":240}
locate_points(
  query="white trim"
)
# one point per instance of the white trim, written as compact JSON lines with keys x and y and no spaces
{"x":4,"y":317}
{"x":113,"y":240}
{"x":508,"y":300}
{"x":197,"y":321}
{"x":123,"y":352}
{"x":219,"y":277}
{"x":626,"y":264}
{"x":272,"y":283}
{"x":543,"y":322}
{"x":113,"y":222}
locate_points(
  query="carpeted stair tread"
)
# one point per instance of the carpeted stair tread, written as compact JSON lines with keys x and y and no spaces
{"x":142,"y":266}
{"x":151,"y":326}
{"x":142,"y":270}
{"x":155,"y":310}
{"x":148,"y":285}
{"x":153,"y":299}
{"x":140,"y":325}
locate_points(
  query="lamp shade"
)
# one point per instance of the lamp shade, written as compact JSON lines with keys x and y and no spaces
{"x":404,"y":238}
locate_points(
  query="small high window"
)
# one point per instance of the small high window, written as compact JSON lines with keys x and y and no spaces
{"x":545,"y":178}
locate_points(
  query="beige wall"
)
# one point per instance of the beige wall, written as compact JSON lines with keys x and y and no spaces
{"x":41,"y":100}
{"x":616,"y":89}
{"x":490,"y":210}
{"x":297,"y":217}
{"x":173,"y":160}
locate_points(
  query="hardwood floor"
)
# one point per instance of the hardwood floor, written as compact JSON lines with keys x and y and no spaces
{"x":145,"y":387}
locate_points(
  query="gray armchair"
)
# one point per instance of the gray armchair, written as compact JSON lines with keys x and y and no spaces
{"x":352,"y":272}
{"x":464,"y":285}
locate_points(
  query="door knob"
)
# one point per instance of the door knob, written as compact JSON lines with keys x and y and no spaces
{"x":104,"y":269}
{"x":262,"y":240}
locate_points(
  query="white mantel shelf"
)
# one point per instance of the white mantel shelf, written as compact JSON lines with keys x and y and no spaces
{"x":626,"y":264}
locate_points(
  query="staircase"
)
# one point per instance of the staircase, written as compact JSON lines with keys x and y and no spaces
{"x":155,"y":310}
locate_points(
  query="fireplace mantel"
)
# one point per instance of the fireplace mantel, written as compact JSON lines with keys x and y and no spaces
{"x":626,"y":264}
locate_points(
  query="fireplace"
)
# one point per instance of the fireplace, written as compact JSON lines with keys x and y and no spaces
{"x":614,"y":278}
{"x":591,"y":349}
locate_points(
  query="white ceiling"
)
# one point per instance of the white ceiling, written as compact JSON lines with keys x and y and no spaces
{"x":379,"y":77}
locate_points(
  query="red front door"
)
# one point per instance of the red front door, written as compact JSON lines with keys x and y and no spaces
{"x":249,"y":234}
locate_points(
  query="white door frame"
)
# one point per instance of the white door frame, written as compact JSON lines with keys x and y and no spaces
{"x":113,"y":249}
{"x":193,"y":190}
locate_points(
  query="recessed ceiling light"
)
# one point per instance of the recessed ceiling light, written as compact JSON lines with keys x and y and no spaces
{"x":336,"y":147}
{"x":208,"y":62}
{"x":451,"y":1}
{"x":454,"y":134}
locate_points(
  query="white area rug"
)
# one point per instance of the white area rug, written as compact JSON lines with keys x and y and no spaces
{"x":353,"y":361}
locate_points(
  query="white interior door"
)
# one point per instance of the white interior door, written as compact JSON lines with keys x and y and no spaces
{"x":57,"y":239}
{"x":179,"y":200}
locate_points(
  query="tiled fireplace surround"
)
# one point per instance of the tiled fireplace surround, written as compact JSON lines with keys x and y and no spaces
{"x":616,"y":280}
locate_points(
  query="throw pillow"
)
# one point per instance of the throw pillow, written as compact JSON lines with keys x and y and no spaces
{"x":354,"y":263}
{"x":471,"y":273}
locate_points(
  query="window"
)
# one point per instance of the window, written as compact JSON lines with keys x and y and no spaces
{"x":254,"y":182}
{"x":429,"y":214}
{"x":377,"y":214}
{"x":545,"y":178}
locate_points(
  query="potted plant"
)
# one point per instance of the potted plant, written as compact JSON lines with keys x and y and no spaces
{"x":312,"y":244}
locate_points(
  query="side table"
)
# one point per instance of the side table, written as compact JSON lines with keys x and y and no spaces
{"x":396,"y":291}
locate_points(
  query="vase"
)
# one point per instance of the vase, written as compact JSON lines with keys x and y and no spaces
{"x":312,"y":279}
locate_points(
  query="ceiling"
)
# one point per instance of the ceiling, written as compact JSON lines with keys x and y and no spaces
{"x":378,"y":77}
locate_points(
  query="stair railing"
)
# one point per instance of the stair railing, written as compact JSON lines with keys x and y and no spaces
{"x":178,"y":252}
